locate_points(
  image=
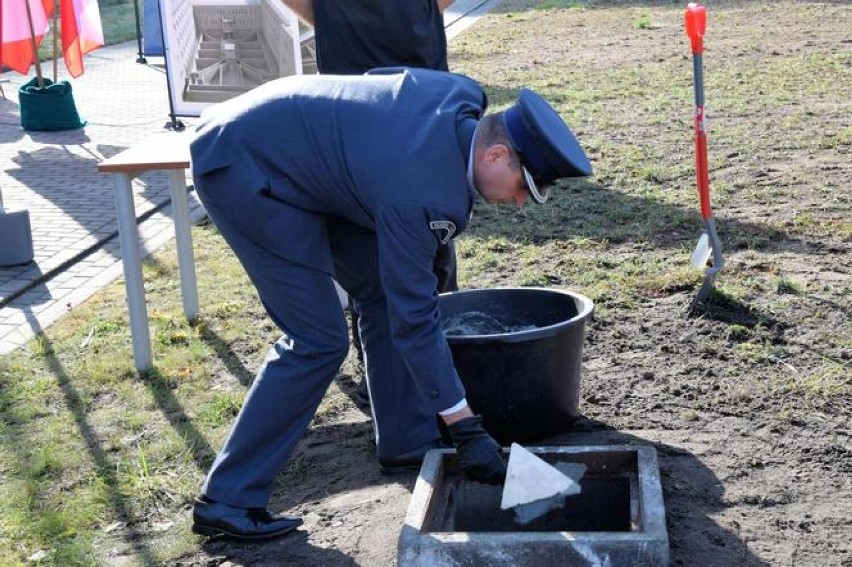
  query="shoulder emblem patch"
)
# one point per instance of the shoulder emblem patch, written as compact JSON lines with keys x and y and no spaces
{"x":445,"y":229}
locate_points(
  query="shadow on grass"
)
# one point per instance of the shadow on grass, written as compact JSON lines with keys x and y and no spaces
{"x":585,"y":209}
{"x":692,"y":494}
{"x":104,"y":468}
{"x":161,"y":388}
{"x":726,"y":309}
{"x":730,"y":310}
{"x":228,"y":357}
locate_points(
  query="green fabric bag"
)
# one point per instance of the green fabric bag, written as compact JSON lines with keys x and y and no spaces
{"x":48,"y":108}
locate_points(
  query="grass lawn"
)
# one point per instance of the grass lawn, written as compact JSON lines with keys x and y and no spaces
{"x":748,"y":400}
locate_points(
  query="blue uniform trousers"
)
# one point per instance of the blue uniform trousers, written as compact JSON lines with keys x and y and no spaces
{"x":298,"y":369}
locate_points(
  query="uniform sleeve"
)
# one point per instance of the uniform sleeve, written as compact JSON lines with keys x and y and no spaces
{"x":407,"y":243}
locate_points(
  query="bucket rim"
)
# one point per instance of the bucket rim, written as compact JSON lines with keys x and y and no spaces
{"x":585,"y":310}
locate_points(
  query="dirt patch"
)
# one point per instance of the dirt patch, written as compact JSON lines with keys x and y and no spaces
{"x":748,"y":400}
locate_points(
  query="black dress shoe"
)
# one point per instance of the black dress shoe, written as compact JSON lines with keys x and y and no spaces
{"x":411,"y":460}
{"x":211,"y":518}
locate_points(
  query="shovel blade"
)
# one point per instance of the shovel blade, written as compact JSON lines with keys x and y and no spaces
{"x":707,"y":288}
{"x":702,"y":252}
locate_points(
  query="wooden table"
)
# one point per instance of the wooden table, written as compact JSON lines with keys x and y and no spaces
{"x":164,"y":152}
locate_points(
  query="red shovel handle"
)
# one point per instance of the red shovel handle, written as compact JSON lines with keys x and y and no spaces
{"x":702,"y":168}
{"x":695,"y":18}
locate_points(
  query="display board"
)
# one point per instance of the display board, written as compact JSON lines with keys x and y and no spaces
{"x":217,"y":49}
{"x":152,"y":29}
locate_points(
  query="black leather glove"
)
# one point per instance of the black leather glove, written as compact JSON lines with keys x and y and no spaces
{"x":480,"y":455}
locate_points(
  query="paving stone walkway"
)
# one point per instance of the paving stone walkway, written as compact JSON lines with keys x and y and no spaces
{"x":54,"y":176}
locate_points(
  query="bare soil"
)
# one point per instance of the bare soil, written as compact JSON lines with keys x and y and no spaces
{"x":747,"y":400}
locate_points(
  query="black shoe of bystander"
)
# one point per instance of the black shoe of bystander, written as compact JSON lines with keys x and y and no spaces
{"x":410,"y":460}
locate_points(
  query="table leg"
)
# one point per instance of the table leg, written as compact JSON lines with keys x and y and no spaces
{"x":131,"y":258}
{"x":183,"y":241}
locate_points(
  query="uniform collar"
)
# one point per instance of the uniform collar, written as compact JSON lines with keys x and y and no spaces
{"x":470,"y":162}
{"x":467,"y":141}
{"x":474,"y":194}
{"x":470,"y":128}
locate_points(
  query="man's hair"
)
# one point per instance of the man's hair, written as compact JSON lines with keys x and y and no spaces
{"x":491,"y":131}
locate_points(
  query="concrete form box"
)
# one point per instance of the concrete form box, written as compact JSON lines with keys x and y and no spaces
{"x":617,"y":519}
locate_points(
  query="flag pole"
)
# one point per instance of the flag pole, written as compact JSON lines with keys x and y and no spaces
{"x":34,"y":46}
{"x":55,"y":41}
{"x":141,"y":58}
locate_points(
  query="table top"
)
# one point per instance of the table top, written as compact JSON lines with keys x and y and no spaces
{"x":167,"y":150}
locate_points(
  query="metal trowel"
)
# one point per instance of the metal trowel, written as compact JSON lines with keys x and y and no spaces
{"x":533,"y":487}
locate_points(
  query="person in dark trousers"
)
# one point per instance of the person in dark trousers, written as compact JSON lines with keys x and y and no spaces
{"x":354,"y":36}
{"x":359,"y":179}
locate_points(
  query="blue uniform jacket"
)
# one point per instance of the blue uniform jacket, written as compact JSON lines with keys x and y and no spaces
{"x":387,"y":151}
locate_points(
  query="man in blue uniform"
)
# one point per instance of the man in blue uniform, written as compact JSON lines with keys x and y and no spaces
{"x":310,"y":178}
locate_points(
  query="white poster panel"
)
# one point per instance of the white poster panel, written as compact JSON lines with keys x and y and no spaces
{"x":218,"y":49}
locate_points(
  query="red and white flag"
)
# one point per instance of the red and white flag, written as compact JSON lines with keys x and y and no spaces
{"x":81,"y":32}
{"x":16,"y":50}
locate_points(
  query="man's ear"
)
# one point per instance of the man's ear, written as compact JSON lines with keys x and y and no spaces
{"x":496,"y":153}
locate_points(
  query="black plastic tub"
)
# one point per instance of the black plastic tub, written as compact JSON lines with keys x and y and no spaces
{"x":518,"y":355}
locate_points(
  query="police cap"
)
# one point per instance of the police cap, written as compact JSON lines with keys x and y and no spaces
{"x":545,"y":145}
